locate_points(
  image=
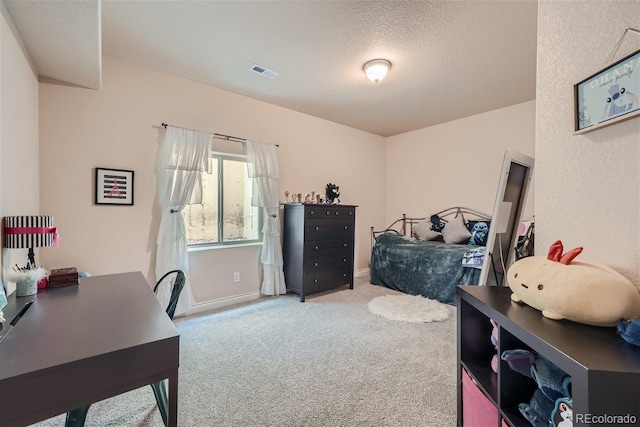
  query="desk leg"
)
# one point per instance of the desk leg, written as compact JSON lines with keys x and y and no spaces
{"x":173,"y":400}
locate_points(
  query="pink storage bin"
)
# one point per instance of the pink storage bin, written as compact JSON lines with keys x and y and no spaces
{"x":477,"y":410}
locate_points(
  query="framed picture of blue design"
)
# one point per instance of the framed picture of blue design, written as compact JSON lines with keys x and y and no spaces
{"x":608,"y":96}
{"x":113,"y":187}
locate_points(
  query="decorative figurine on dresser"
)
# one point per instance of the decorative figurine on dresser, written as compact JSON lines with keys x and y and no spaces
{"x":318,"y":243}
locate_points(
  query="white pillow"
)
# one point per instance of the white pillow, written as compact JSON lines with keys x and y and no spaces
{"x":423,"y":231}
{"x":456,"y":231}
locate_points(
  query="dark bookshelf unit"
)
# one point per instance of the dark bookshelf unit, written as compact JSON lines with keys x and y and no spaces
{"x":605,"y":370}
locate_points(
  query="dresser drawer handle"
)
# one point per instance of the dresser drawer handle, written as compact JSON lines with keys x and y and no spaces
{"x":344,"y":274}
{"x":346,"y":227}
{"x":327,"y":212}
{"x":344,"y":260}
{"x":315,"y":264}
{"x":315,"y":280}
{"x":311,"y":212}
{"x":344,"y":245}
{"x":316,"y":248}
{"x":317,"y":228}
{"x":336,"y":212}
{"x":350,"y":212}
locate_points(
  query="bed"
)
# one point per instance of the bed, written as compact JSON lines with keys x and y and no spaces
{"x":430,"y":256}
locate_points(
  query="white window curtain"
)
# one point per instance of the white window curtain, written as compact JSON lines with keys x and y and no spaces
{"x":262,"y":166}
{"x":183,"y":156}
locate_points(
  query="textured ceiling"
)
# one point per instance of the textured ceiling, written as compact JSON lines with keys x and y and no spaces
{"x":451,"y":59}
{"x":62,"y":38}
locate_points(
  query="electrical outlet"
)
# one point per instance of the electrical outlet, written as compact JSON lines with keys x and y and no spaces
{"x":236,"y":277}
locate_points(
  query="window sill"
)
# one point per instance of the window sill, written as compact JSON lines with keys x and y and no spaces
{"x":200,"y":248}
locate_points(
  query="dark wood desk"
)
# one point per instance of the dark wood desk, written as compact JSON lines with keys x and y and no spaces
{"x":82,"y":344}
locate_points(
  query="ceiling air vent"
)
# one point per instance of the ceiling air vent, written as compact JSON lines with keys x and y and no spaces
{"x":263,"y":71}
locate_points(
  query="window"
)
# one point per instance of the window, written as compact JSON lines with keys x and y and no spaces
{"x":225,"y":215}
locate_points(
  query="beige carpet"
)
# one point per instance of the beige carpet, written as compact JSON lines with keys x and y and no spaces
{"x":326,"y":362}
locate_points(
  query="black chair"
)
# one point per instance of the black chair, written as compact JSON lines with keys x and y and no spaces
{"x":77,"y":417}
{"x":178,"y":284}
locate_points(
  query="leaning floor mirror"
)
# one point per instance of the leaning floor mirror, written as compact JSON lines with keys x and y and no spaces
{"x":513,"y":185}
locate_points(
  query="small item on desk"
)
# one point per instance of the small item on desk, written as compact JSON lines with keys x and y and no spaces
{"x":3,"y":300}
{"x":26,"y":279}
{"x":63,"y":277}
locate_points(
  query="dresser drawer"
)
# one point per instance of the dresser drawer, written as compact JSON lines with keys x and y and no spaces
{"x":316,"y":229}
{"x":329,"y":262}
{"x":330,"y":212}
{"x":327,"y":280}
{"x":313,"y":248}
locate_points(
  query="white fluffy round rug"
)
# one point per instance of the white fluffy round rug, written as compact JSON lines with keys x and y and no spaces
{"x":409,"y":308}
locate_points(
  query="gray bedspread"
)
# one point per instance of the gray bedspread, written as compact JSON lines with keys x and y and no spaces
{"x":417,"y":267}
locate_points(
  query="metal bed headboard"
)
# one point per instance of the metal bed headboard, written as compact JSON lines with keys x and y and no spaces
{"x":399,"y":226}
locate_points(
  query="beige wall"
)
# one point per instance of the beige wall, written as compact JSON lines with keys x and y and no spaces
{"x":19,"y":169}
{"x":119,"y":127}
{"x":587,"y":185}
{"x":456,"y":163}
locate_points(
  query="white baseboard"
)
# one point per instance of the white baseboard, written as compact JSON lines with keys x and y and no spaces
{"x":249,"y":296}
{"x":363,"y":272}
{"x":223,"y":302}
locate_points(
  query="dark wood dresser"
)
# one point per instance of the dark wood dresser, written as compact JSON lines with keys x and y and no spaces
{"x":318,"y":247}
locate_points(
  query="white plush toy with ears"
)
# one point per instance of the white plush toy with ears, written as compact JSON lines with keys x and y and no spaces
{"x":584,"y":292}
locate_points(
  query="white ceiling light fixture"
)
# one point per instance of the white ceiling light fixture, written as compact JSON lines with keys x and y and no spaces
{"x":376,"y":69}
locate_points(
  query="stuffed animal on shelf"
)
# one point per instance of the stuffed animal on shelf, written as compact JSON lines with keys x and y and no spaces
{"x":562,"y":414}
{"x":494,"y":341}
{"x":333,"y":194}
{"x":584,"y":292}
{"x":630,"y":331}
{"x":550,"y":404}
